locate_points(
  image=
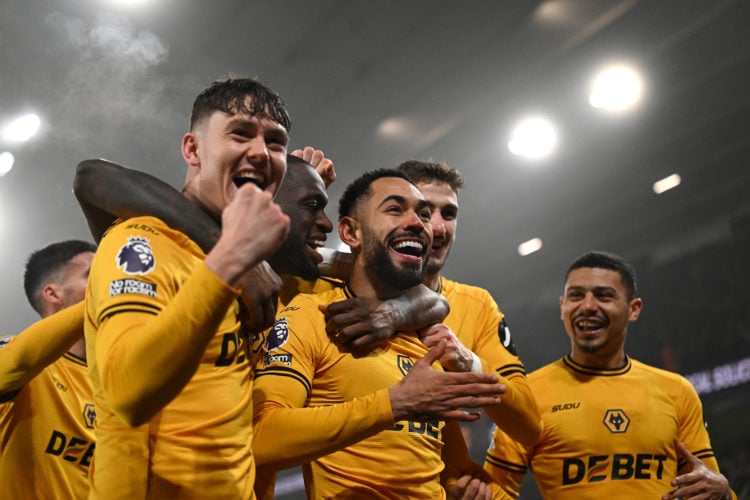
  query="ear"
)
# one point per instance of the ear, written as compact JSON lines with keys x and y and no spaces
{"x":561,"y":309}
{"x":190,"y":149}
{"x":350,"y":232}
{"x":52,"y":293}
{"x":636,"y":305}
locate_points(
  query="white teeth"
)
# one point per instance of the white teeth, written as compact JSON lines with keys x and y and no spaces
{"x":588,"y":324}
{"x":404,"y":244}
{"x":247,"y":175}
{"x":317,"y":243}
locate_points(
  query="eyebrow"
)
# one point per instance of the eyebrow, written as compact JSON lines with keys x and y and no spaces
{"x":403,"y":201}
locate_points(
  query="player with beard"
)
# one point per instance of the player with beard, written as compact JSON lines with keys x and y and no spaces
{"x":613,"y":427}
{"x":484,"y":338}
{"x":363,"y":425}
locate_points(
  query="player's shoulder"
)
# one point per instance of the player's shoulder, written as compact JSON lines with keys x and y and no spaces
{"x":451,"y":288}
{"x":661,"y":376}
{"x":549,"y":372}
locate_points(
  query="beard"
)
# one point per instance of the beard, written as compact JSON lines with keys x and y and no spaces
{"x":409,"y":275}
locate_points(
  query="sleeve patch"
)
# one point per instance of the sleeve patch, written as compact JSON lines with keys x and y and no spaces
{"x":131,"y":285}
{"x":5,"y":340}
{"x":136,"y":257}
{"x":504,"y":333}
{"x":278,"y":335}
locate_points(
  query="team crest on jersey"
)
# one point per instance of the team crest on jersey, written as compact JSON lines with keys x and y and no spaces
{"x":278,"y":335}
{"x":404,"y":363}
{"x":136,"y":257}
{"x":504,"y":333}
{"x":616,"y":421}
{"x":89,"y":415}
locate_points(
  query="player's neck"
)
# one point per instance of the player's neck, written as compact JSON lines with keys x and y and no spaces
{"x":432,"y":281}
{"x":78,"y":349}
{"x":600,"y":360}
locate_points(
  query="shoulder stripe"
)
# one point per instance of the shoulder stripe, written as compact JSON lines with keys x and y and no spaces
{"x":144,"y":307}
{"x":513,"y":369}
{"x":504,"y":464}
{"x":283,"y":371}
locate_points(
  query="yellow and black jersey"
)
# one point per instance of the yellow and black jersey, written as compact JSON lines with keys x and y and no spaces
{"x":480,"y":325}
{"x":320,"y":405}
{"x":606,"y":433}
{"x":47,"y":433}
{"x":148,"y":277}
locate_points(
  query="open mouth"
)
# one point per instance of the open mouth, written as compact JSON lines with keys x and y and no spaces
{"x":245,"y":177}
{"x":411,"y":247}
{"x":589,"y":324}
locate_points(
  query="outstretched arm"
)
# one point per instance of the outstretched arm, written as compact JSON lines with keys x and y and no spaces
{"x":38,"y":346}
{"x":107,"y":191}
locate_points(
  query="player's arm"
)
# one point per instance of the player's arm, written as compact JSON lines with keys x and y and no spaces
{"x":698,"y":472}
{"x":39,"y":345}
{"x":361,"y":323}
{"x":286,"y":434}
{"x":697,"y":480}
{"x":107,"y":191}
{"x":507,"y":462}
{"x":146,"y":355}
{"x":460,"y":470}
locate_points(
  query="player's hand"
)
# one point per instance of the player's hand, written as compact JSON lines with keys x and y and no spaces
{"x":701,"y":483}
{"x":358,"y":323}
{"x":316,"y":158}
{"x":470,"y":488}
{"x":428,"y":394}
{"x":456,"y":357}
{"x":260,"y":294}
{"x":253,"y":227}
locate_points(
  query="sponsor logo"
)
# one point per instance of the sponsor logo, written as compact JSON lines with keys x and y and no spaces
{"x":70,"y":448}
{"x":132,"y":285}
{"x":616,"y":421}
{"x":619,"y":466}
{"x":404,"y":363}
{"x":566,"y":406}
{"x":136,"y":257}
{"x":284,"y":359}
{"x":89,"y":415}
{"x":278,"y":335}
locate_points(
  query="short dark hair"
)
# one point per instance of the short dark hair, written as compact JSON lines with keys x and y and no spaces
{"x":230,"y":96}
{"x":359,"y":189}
{"x":430,"y":171}
{"x":44,"y":263}
{"x":613,"y":262}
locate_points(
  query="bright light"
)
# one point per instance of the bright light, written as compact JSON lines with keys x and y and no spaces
{"x":6,"y":162}
{"x":343,"y":247}
{"x":128,"y":3}
{"x":529,"y":247}
{"x":667,"y":183}
{"x":533,"y":138}
{"x":22,"y":129}
{"x":616,"y":88}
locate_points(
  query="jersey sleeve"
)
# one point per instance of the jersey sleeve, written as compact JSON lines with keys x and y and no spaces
{"x":153,"y":316}
{"x":507,"y":462}
{"x":517,"y":415}
{"x":24,"y":356}
{"x":692,"y":428}
{"x":285,"y":432}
